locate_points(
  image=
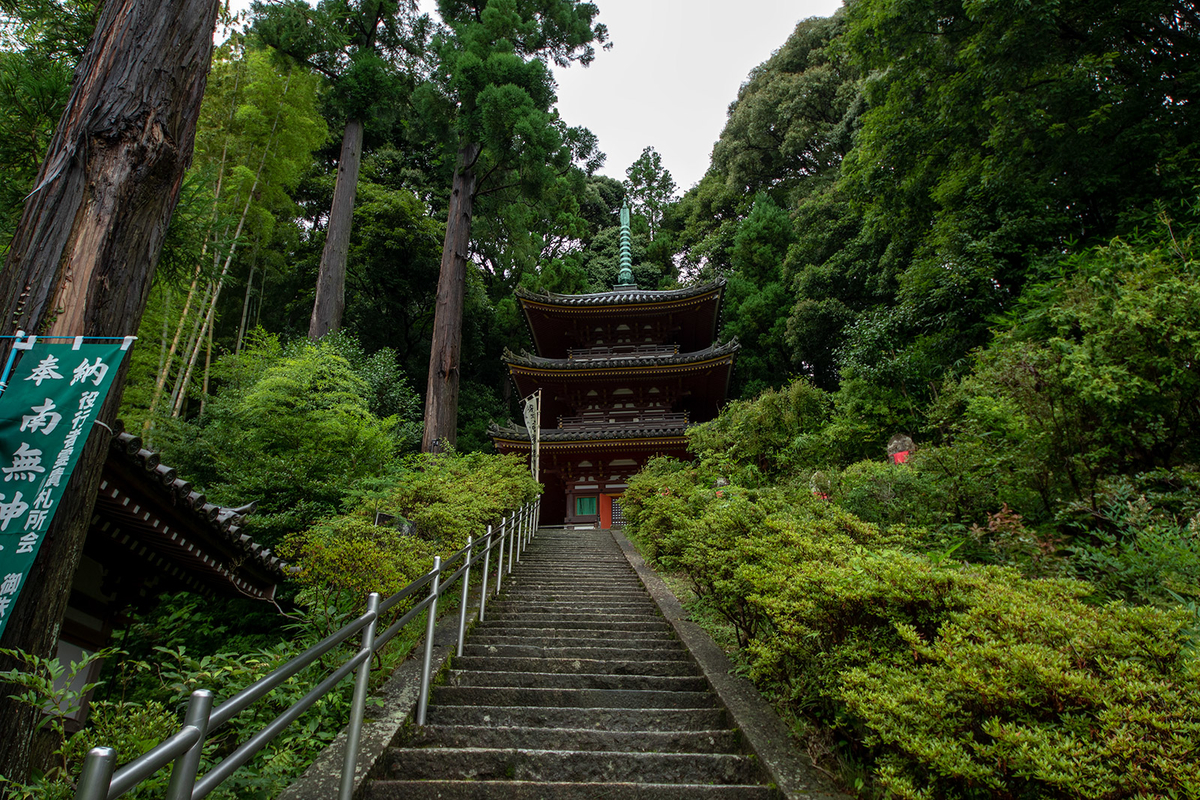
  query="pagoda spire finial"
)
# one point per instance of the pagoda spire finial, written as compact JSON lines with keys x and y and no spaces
{"x":625,"y":278}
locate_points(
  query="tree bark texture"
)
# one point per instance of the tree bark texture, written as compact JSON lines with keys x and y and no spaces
{"x":441,"y":397}
{"x":84,"y":254}
{"x":331,"y":281}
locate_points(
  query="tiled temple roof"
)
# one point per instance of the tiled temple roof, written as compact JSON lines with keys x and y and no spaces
{"x":526,"y":359}
{"x":179,"y":521}
{"x":633,"y":431}
{"x":615,"y":298}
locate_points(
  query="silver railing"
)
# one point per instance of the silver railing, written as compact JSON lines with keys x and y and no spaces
{"x":98,"y":781}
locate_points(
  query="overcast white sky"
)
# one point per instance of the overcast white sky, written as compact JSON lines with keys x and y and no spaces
{"x":674,"y":68}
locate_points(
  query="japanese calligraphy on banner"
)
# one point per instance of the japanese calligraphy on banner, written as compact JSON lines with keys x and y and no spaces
{"x":46,"y":413}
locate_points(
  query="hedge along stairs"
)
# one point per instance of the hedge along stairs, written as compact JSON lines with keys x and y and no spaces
{"x":574,"y":686}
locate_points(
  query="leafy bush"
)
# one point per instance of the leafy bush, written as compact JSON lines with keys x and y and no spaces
{"x":447,"y":496}
{"x":295,"y":428}
{"x":760,"y":439}
{"x":953,"y":680}
{"x":439,"y":499}
{"x":1138,"y":553}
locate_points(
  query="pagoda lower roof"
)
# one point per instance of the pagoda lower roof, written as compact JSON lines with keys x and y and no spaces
{"x":621,"y":362}
{"x":515,"y":439}
{"x":519,"y":433}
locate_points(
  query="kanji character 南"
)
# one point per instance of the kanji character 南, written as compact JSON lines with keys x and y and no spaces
{"x":45,"y":420}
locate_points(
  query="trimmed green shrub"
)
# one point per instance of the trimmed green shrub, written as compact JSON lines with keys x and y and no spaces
{"x":952,"y":680}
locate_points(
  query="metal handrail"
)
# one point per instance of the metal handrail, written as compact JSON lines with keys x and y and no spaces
{"x":100,"y":780}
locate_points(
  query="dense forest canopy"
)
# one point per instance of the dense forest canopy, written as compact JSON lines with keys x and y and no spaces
{"x":907,"y":196}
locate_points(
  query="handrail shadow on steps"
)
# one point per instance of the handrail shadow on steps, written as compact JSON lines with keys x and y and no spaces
{"x":99,"y":781}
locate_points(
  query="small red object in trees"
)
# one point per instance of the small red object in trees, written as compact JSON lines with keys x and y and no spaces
{"x":901,"y":457}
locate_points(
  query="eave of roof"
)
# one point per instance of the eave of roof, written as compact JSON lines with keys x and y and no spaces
{"x":608,"y":366}
{"x":640,"y":297}
{"x":252,"y":568}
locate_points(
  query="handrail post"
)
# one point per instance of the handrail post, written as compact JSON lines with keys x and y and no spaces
{"x":519,"y":531}
{"x":512,"y":535}
{"x":358,"y":706}
{"x":500,"y":555}
{"x":426,"y":665}
{"x":462,"y":606}
{"x":487,"y":557}
{"x":97,"y":774}
{"x":183,"y":773}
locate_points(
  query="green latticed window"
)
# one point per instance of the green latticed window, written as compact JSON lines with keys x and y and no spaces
{"x":585,"y":506}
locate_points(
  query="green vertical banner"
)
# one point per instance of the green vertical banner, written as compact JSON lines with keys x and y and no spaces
{"x":54,"y":395}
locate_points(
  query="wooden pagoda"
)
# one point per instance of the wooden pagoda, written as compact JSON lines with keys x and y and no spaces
{"x":622,"y":374}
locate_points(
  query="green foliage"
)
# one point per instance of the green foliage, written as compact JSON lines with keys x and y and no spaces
{"x":363,"y":49}
{"x":343,"y":559}
{"x":1136,"y":552}
{"x":1098,"y":375}
{"x":295,"y":429}
{"x":950,"y":680}
{"x":649,"y":187}
{"x":794,"y":116}
{"x":438,"y":500}
{"x":756,"y":299}
{"x":49,"y":686}
{"x":447,"y":496}
{"x":764,"y":438}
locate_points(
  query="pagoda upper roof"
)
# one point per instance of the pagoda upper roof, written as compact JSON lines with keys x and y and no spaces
{"x":559,"y":322}
{"x":699,"y":380}
{"x":607,"y":363}
{"x":620,"y":297}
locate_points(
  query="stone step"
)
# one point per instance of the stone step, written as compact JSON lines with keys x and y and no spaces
{"x":557,"y":637}
{"x":517,"y":595}
{"x":608,"y":719}
{"x":522,"y":790}
{"x":510,"y":629}
{"x":605,"y":653}
{"x":506,"y":764}
{"x":714,"y":741}
{"x":573,"y":698}
{"x":545,"y":620}
{"x":607,"y":586}
{"x":543,"y":606}
{"x":577,"y":665}
{"x":577,"y":680}
{"x":532,"y":618}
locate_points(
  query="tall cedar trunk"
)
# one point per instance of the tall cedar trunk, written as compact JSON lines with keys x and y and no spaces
{"x":441,"y":398}
{"x":331,"y":281}
{"x":85,"y":250}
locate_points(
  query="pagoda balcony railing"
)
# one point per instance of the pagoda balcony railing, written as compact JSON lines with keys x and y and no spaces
{"x":643,"y":418}
{"x":609,"y":352}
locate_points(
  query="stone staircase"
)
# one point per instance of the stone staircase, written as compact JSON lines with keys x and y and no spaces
{"x":573,"y":687}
